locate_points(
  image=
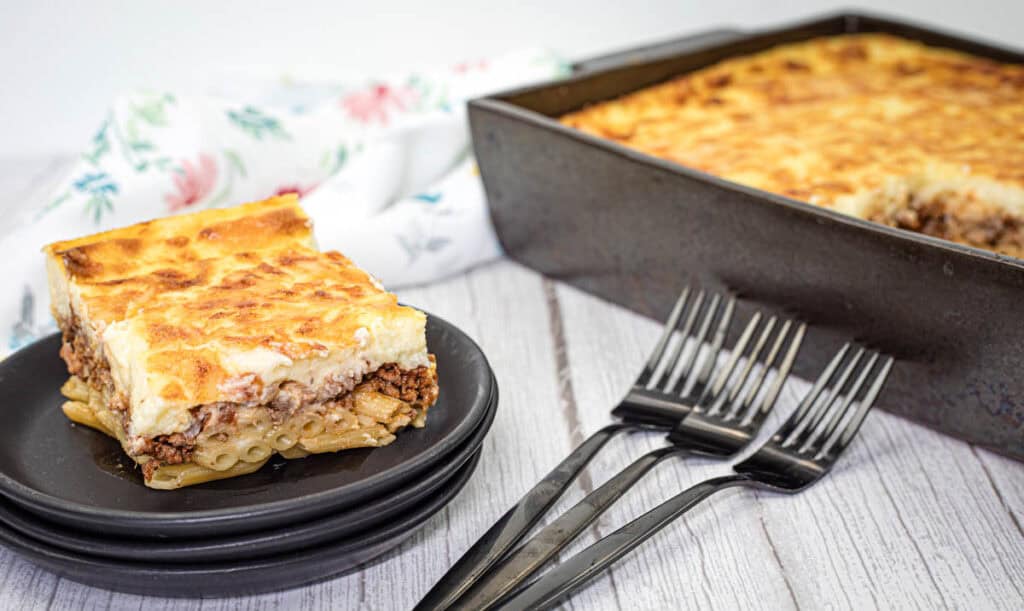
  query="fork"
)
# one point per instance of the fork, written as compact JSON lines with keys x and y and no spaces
{"x":800,"y":453}
{"x":725,"y":419}
{"x":660,"y":397}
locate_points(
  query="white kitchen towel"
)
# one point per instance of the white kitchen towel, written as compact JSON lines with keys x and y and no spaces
{"x":383,"y":167}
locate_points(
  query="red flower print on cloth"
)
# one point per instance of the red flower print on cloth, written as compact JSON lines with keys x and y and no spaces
{"x":296,"y":189}
{"x":464,"y":67}
{"x":193,"y":181}
{"x":377,"y":102}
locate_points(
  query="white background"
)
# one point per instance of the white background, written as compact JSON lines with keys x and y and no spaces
{"x":62,"y":62}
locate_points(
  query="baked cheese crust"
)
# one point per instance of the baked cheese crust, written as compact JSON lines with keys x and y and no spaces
{"x":218,"y":336}
{"x":248,"y":322}
{"x":277,"y":222}
{"x":872,"y":125}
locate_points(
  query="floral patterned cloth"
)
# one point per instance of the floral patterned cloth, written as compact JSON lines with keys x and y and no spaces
{"x":383,"y":167}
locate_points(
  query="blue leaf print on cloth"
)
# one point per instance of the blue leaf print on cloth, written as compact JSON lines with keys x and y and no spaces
{"x":100,"y":144}
{"x":95,"y":183}
{"x":419,"y":244}
{"x":430,"y":198}
{"x":100,"y":188}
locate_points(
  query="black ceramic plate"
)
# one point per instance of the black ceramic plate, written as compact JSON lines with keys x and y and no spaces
{"x":236,"y":578}
{"x":80,"y":478}
{"x":263,"y":543}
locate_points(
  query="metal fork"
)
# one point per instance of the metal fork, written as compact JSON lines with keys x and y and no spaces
{"x":671,"y":382}
{"x":726,"y":418}
{"x":799,"y":454}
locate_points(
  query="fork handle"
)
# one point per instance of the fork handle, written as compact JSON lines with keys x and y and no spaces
{"x":584,"y":566}
{"x":653,"y":407}
{"x":514,"y":569}
{"x":517,"y":521}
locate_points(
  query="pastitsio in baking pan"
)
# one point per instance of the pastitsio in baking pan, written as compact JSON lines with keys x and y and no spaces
{"x":633,"y":227}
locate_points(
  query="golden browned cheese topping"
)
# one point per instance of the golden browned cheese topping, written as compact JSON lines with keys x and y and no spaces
{"x":120,"y":270}
{"x":294,"y":303}
{"x":164,"y":243}
{"x":868,"y":124}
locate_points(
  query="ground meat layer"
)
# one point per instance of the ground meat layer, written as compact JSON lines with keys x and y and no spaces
{"x":958,"y":218}
{"x":166,"y":449}
{"x":418,"y":387}
{"x":77,"y":352}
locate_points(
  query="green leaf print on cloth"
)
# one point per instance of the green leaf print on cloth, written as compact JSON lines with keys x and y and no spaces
{"x":257,"y":124}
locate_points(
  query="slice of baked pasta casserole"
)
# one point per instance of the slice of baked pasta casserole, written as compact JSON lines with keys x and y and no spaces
{"x":207,"y":342}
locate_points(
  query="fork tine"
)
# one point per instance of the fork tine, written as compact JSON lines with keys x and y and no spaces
{"x":842,"y":437}
{"x":691,"y":319}
{"x":698,"y":342}
{"x":715,"y":390}
{"x":768,"y":401}
{"x":738,"y":407}
{"x":805,"y":404}
{"x":836,"y":415}
{"x":805,"y":429}
{"x":755,"y":354}
{"x":735,"y":389}
{"x":666,"y":335}
{"x":711,"y":357}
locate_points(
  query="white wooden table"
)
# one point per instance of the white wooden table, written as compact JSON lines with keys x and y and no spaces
{"x":909,"y":519}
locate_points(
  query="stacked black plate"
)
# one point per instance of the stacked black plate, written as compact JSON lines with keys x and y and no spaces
{"x":71,"y":501}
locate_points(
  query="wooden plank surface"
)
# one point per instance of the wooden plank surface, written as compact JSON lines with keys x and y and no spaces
{"x":909,"y":519}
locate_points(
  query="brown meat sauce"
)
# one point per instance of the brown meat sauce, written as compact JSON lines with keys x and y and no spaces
{"x":418,"y":387}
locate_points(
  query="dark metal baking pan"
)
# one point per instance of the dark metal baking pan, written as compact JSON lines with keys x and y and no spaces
{"x":633,"y":229}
